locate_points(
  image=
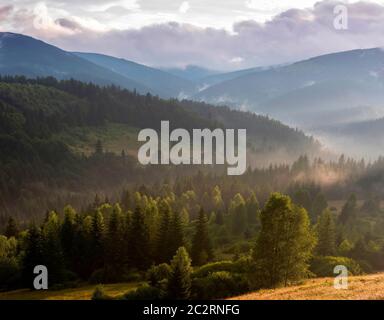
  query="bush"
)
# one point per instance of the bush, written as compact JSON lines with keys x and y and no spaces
{"x":220,"y":284}
{"x":99,"y":294}
{"x":241,"y":265}
{"x":323,"y":266}
{"x":157,"y":274}
{"x":144,"y":292}
{"x":10,"y":274}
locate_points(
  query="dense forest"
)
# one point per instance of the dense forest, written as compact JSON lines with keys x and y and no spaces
{"x":194,"y":239}
{"x":35,"y":158}
{"x":184,"y":232}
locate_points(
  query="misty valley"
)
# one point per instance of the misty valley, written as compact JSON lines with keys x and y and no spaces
{"x":127,"y":182}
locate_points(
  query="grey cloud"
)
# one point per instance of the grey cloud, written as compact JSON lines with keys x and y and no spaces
{"x":5,"y":11}
{"x":69,"y":24}
{"x":292,"y":35}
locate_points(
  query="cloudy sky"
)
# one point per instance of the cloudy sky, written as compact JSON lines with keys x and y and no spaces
{"x":218,"y":34}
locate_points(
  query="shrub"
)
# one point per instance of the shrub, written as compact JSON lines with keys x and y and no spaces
{"x":144,"y":292}
{"x":242,"y":265}
{"x":99,"y":294}
{"x":157,"y":274}
{"x":323,"y":266}
{"x":10,"y":274}
{"x":220,"y":284}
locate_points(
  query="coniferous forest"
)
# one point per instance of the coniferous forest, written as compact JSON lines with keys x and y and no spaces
{"x":181,"y":232}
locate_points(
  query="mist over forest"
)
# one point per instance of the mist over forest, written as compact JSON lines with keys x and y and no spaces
{"x":74,"y":197}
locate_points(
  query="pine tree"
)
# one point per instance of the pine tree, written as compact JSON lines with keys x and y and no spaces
{"x":326,"y":245}
{"x":176,"y":234}
{"x":349,"y":210}
{"x":253,"y":209}
{"x":114,"y":244}
{"x":98,"y":233}
{"x":33,"y":255}
{"x":52,"y":249}
{"x":179,"y":283}
{"x":219,"y":218}
{"x":217,"y":200}
{"x":303,"y":199}
{"x":126,"y":200}
{"x":318,"y":206}
{"x":201,"y":251}
{"x":238,"y":212}
{"x":139,"y":249}
{"x":285,"y":242}
{"x":68,"y":230}
{"x":12,"y":228}
{"x":163,"y":243}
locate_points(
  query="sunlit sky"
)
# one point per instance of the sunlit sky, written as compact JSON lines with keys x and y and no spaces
{"x":222,"y":34}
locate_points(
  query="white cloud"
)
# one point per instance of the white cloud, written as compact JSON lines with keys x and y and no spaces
{"x":184,"y":7}
{"x":144,"y":33}
{"x":236,"y":60}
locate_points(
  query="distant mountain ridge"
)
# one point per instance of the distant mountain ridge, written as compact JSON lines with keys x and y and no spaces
{"x":163,"y":83}
{"x":23,"y":55}
{"x":289,"y":92}
{"x":315,"y":95}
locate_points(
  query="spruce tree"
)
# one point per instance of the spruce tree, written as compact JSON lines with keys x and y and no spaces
{"x":33,"y":255}
{"x":253,"y":209}
{"x":238,"y":212}
{"x":68,"y":230}
{"x":179,"y":282}
{"x":114,"y":244}
{"x":139,"y":248}
{"x":12,"y":228}
{"x":201,"y":251}
{"x":349,"y":209}
{"x":98,"y":233}
{"x":326,"y":232}
{"x":52,"y":249}
{"x":318,"y":206}
{"x":163,"y":243}
{"x":176,"y":234}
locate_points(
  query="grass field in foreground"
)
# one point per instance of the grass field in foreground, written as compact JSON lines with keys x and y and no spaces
{"x":367,"y":287}
{"x":81,"y":293}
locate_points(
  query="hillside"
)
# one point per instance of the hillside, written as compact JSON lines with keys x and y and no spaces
{"x":163,"y":83}
{"x":45,"y":60}
{"x":49,"y":130}
{"x":298,"y":92}
{"x":356,"y":138}
{"x":367,"y":287}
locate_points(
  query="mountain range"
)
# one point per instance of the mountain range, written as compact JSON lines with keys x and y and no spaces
{"x":297,"y":93}
{"x":318,"y":94}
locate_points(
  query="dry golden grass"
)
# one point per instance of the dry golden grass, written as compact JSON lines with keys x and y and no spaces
{"x":368,"y":287}
{"x":81,"y":293}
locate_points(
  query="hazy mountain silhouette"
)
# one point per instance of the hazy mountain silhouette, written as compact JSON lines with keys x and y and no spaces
{"x":23,"y":55}
{"x":161,"y":82}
